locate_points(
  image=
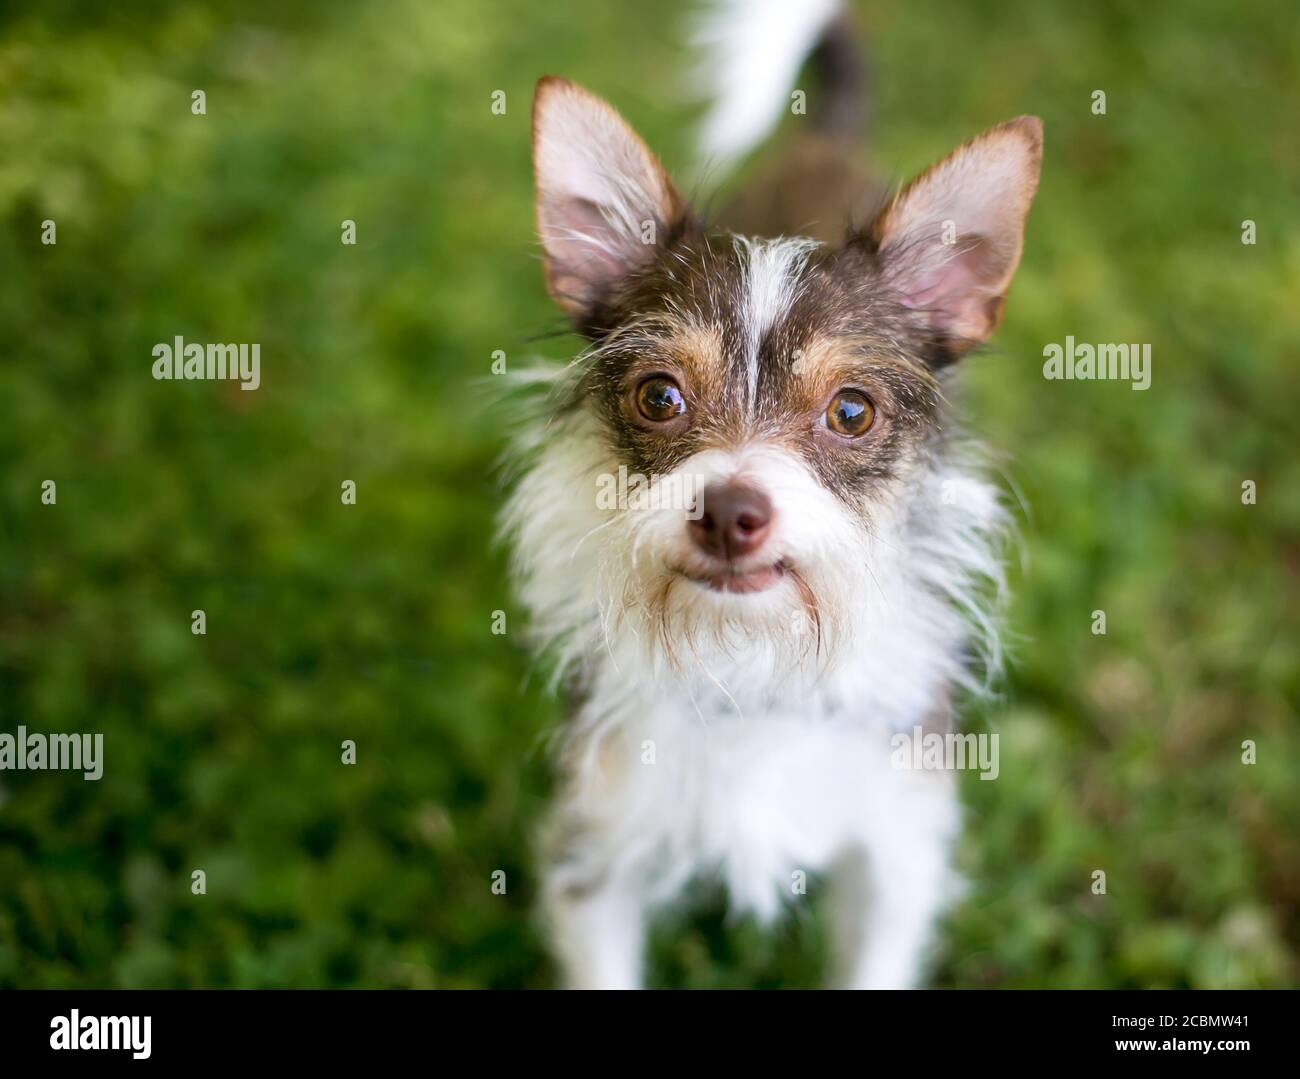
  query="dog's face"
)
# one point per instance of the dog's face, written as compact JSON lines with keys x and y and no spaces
{"x":780,"y":400}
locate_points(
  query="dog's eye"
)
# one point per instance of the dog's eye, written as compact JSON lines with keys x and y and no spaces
{"x":660,"y":399}
{"x":850,"y":413}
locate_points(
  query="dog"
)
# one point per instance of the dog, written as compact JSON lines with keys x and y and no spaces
{"x":809,"y":568}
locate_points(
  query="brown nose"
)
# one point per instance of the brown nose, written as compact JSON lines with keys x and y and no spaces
{"x":735,"y":520}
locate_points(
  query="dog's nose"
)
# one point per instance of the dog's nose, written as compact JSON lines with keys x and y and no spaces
{"x":734,"y":521}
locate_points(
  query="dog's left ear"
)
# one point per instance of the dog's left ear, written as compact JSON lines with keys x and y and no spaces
{"x":603,"y":200}
{"x":950,"y":241}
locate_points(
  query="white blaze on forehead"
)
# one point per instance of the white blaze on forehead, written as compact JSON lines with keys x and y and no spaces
{"x":772,"y":281}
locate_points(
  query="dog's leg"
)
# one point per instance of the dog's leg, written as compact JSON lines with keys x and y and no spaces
{"x":597,"y":933}
{"x":885,"y":896}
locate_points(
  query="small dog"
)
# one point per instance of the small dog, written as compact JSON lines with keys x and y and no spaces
{"x":810,"y":563}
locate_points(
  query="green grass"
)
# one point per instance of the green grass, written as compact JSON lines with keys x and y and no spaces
{"x":373,"y":622}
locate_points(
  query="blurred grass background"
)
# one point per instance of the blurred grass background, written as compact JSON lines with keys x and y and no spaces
{"x":373,"y":622}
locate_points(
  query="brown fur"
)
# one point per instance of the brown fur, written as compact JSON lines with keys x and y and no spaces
{"x":676,"y":307}
{"x":839,"y":332}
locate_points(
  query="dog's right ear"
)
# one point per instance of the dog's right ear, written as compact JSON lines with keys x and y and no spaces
{"x":603,"y":199}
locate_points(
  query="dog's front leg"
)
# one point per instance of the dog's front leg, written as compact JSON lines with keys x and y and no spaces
{"x":597,"y":932}
{"x":885,"y":896}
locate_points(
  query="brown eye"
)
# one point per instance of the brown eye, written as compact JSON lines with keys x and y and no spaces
{"x":850,"y":413}
{"x":660,"y":399}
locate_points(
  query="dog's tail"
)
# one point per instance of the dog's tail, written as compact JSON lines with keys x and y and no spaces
{"x":751,"y":52}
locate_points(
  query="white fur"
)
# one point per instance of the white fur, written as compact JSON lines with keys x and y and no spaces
{"x":717,"y":735}
{"x":751,"y":53}
{"x":772,"y":282}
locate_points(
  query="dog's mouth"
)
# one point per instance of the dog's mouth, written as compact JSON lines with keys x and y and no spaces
{"x":737,"y":581}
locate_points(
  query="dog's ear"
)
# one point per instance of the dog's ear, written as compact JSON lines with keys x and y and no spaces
{"x":950,"y":241}
{"x":603,"y":199}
